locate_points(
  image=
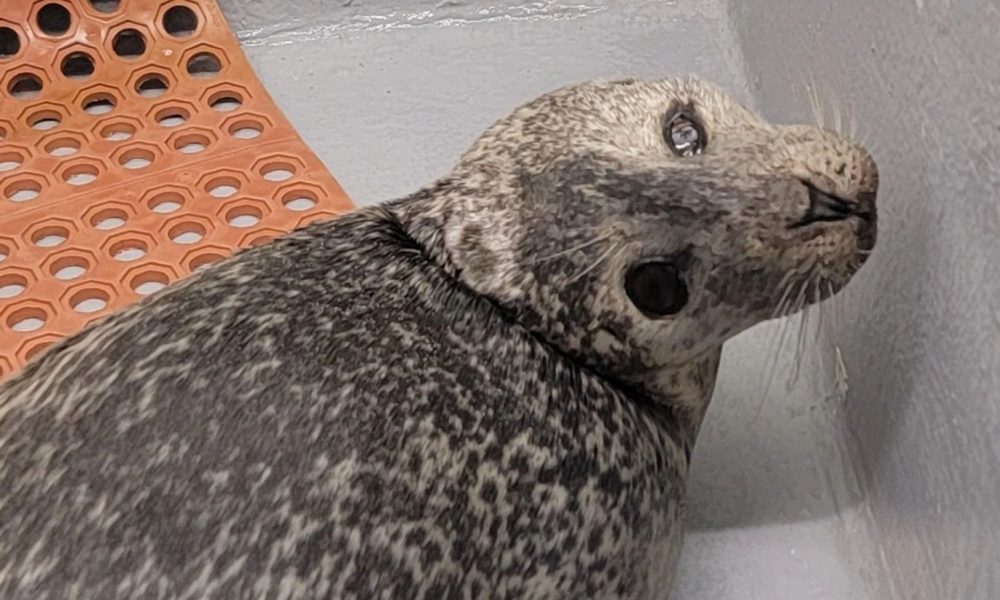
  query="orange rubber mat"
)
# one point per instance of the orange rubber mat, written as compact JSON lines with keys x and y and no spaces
{"x":136,"y":145}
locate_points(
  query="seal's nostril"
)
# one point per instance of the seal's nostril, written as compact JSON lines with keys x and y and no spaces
{"x":824,"y":204}
{"x":818,"y":195}
{"x":827,"y":207}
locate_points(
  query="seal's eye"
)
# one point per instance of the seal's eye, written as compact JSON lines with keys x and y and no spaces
{"x":684,"y":134}
{"x":656,"y":288}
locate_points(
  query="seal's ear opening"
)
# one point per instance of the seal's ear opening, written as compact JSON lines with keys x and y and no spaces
{"x":656,"y":288}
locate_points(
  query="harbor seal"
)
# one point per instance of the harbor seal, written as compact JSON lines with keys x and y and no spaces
{"x":490,"y":388}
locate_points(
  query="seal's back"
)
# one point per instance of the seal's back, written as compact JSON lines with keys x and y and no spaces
{"x":349,"y":427}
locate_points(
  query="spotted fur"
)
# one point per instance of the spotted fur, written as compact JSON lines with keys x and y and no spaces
{"x":448,"y":396}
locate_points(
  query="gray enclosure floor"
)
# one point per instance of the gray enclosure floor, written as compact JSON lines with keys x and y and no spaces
{"x":388,"y":98}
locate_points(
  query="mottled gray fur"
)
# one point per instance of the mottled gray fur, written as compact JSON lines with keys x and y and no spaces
{"x":446,"y":396}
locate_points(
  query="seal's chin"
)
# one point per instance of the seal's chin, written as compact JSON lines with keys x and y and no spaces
{"x":826,"y":282}
{"x":839,"y":240}
{"x":838,"y":257}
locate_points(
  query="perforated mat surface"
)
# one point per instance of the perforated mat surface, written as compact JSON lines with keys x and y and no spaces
{"x":136,"y":145}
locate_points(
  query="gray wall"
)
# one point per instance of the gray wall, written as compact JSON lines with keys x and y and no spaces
{"x":389,"y":92}
{"x":922,"y":333}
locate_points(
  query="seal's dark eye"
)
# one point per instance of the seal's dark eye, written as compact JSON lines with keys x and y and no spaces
{"x":684,"y":134}
{"x":656,"y":288}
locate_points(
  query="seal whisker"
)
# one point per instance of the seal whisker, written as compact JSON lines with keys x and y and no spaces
{"x":772,"y":351}
{"x":595,"y":264}
{"x":576,"y":248}
{"x":816,"y":104}
{"x":840,"y":379}
{"x":771,"y":365}
{"x":800,"y":346}
{"x":833,"y":305}
{"x":838,"y":123}
{"x":801,"y":302}
{"x":784,"y":327}
{"x":829,"y":325}
{"x":777,"y":311}
{"x":821,"y":309}
{"x":786,"y":285}
{"x":774,"y":342}
{"x":780,"y":312}
{"x":800,"y":298}
{"x":853,"y":126}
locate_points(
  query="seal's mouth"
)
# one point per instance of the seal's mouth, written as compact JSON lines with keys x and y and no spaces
{"x":829,"y":208}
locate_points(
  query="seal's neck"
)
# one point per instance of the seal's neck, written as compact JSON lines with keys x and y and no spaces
{"x":425,"y":216}
{"x":442,"y":219}
{"x":687,"y":389}
{"x":463,"y":222}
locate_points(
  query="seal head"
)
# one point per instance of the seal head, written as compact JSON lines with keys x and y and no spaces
{"x":639,"y":224}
